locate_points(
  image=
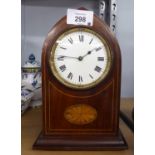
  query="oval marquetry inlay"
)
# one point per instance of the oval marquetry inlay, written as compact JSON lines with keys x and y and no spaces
{"x":80,"y":114}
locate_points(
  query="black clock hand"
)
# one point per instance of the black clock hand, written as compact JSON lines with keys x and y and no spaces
{"x":65,"y":56}
{"x":80,"y":58}
{"x":89,"y":52}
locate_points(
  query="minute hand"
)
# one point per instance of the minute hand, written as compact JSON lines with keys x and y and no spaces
{"x":65,"y":56}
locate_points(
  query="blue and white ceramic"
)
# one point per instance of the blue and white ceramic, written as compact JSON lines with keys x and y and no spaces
{"x":31,"y":76}
{"x":26,"y":96}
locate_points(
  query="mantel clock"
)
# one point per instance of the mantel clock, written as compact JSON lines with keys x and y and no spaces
{"x":81,"y":73}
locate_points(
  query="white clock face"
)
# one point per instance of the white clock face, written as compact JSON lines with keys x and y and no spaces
{"x":80,"y":58}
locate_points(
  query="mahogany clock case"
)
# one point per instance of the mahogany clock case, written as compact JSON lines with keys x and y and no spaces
{"x":101,"y":134}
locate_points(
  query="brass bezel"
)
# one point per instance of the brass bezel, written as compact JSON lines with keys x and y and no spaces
{"x":80,"y":86}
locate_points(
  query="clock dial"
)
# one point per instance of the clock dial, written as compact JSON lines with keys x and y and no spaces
{"x":80,"y":58}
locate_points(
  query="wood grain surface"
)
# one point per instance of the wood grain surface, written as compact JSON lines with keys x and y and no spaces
{"x":31,"y":123}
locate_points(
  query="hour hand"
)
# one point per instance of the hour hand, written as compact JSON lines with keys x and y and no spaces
{"x":89,"y":52}
{"x":95,"y":49}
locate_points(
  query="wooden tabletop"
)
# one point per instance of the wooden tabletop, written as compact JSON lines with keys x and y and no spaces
{"x":31,"y":123}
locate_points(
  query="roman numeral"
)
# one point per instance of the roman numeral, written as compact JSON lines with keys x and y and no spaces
{"x":100,"y":58}
{"x":97,"y":69}
{"x":62,"y":68}
{"x":81,"y":38}
{"x":91,"y":76}
{"x":80,"y":78}
{"x":99,"y":48}
{"x":70,"y":40}
{"x":70,"y":76}
{"x":63,"y":48}
{"x":90,"y":41}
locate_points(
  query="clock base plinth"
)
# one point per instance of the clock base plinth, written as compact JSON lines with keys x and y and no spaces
{"x":80,"y":143}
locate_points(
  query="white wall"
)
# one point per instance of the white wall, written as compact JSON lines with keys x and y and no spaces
{"x":125,"y":36}
{"x":40,"y":15}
